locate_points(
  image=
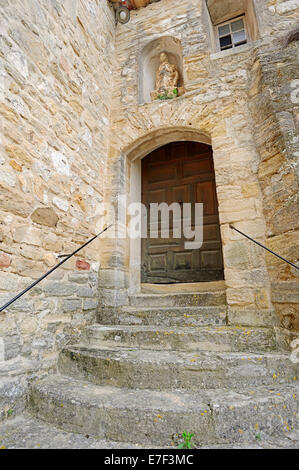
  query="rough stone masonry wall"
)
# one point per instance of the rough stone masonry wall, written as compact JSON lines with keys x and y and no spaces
{"x":274,"y":104}
{"x":217,"y":103}
{"x":55,"y":71}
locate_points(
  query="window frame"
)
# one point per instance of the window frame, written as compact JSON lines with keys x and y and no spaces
{"x":229,"y":22}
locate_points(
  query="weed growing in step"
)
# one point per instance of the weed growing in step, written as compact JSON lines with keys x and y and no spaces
{"x":187,"y":444}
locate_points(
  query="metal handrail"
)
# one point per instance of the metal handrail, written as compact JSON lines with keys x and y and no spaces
{"x":265,"y":248}
{"x":67,"y":257}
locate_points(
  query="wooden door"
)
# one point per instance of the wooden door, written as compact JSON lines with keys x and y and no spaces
{"x":181,"y":172}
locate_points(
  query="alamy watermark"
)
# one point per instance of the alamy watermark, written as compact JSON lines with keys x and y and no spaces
{"x":155,"y":220}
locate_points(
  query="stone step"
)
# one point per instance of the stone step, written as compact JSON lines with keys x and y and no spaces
{"x":26,"y":432}
{"x":191,"y":299}
{"x":168,"y":370}
{"x":12,"y":395}
{"x":183,"y":288}
{"x":165,"y":316}
{"x":158,"y":418}
{"x":207,"y":338}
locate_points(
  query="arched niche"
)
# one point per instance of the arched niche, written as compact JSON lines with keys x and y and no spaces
{"x":149,"y":62}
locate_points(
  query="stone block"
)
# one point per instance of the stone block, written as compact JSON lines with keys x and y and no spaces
{"x":82,"y":265}
{"x":13,"y":393}
{"x":71,"y":305}
{"x":45,"y":216}
{"x":285,"y":292}
{"x":60,"y":289}
{"x":271,"y":166}
{"x":8,"y":113}
{"x":262,"y":298}
{"x":78,"y":278}
{"x":23,"y":304}
{"x":83,"y":291}
{"x":236,"y":255}
{"x":31,"y":252}
{"x":14,"y":202}
{"x":90,"y":304}
{"x":27,"y":234}
{"x":248,"y":316}
{"x":113,"y":297}
{"x":31,"y":269}
{"x":250,"y":189}
{"x":50,"y":260}
{"x":19,"y":154}
{"x":5,"y":260}
{"x":9,"y":282}
{"x":240,"y":296}
{"x":52,"y":243}
{"x":245,"y":278}
{"x":16,"y":166}
{"x":113,"y":278}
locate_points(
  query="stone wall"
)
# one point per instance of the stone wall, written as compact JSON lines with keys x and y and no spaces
{"x":73,"y":132}
{"x":55,"y":70}
{"x":274,"y":104}
{"x":218,"y":104}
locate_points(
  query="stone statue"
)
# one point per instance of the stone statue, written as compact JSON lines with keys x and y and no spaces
{"x":167,"y":79}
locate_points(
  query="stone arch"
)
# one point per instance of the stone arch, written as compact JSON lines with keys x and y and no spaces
{"x":149,"y":63}
{"x":154,"y":139}
{"x":134,"y":153}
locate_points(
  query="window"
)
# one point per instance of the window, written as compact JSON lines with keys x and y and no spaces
{"x":232,"y":33}
{"x":231,"y":23}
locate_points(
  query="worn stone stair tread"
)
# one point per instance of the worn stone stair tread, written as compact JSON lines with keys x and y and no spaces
{"x":220,"y":338}
{"x":213,"y":328}
{"x":221,"y":290}
{"x":153,"y":417}
{"x":183,"y":288}
{"x":167,"y":315}
{"x":175,"y":357}
{"x":207,"y":290}
{"x":183,"y":330}
{"x":168,"y":370}
{"x":26,"y":432}
{"x":192,"y":309}
{"x":206,"y":298}
{"x":188,"y":311}
{"x":281,"y":443}
{"x":79,"y":391}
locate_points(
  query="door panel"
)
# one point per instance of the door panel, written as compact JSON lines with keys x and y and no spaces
{"x":181,"y":172}
{"x":206,"y":194}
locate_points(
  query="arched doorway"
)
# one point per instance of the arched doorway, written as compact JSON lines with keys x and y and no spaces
{"x":181,"y":172}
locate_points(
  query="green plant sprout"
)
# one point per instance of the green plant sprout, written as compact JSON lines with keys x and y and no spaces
{"x":187,"y":444}
{"x":165,"y":96}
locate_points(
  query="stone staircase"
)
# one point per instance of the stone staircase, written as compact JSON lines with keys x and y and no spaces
{"x":169,"y":363}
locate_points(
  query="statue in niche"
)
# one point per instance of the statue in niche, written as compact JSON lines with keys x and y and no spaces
{"x":167,"y":80}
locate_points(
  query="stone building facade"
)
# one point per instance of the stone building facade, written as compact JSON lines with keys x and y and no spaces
{"x":240,"y":102}
{"x":76,"y":121}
